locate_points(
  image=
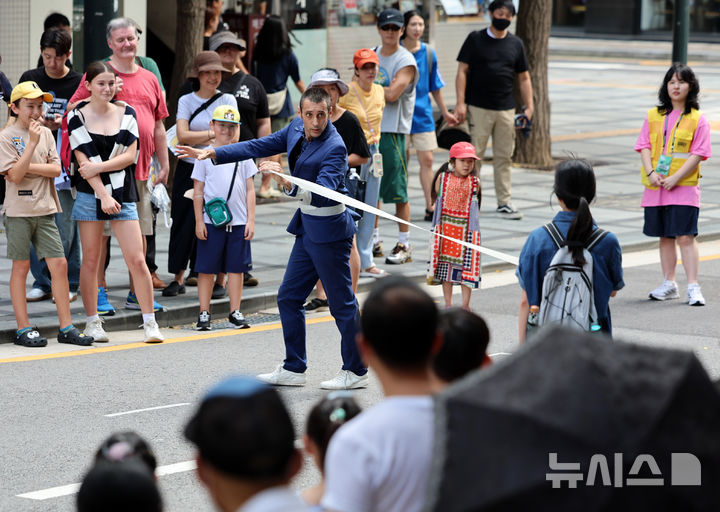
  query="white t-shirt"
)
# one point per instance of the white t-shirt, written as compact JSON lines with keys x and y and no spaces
{"x":189,"y":103}
{"x":380,"y":460}
{"x":217,"y":180}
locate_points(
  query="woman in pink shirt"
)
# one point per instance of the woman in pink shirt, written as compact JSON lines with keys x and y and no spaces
{"x":673,"y":141}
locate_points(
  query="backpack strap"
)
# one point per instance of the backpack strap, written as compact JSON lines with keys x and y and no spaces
{"x":595,"y":237}
{"x":555,"y":234}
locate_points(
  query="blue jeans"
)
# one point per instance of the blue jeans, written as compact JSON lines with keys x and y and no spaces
{"x":366,"y":225}
{"x":70,"y":236}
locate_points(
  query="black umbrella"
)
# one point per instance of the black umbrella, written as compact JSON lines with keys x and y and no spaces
{"x":627,"y":424}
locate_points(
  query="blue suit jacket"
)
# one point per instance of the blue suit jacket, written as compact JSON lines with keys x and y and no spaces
{"x":324,"y":161}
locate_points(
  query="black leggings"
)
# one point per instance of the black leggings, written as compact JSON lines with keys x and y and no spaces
{"x":182,"y":247}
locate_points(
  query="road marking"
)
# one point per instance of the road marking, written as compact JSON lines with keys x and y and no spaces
{"x":500,"y":354}
{"x":66,"y":490}
{"x":115,"y":414}
{"x":128,"y":346}
{"x":594,"y":135}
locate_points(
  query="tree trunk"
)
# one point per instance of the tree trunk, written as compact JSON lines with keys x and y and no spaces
{"x":533,"y":27}
{"x":188,"y":43}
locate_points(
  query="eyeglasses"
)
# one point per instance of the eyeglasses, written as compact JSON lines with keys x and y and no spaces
{"x":394,"y":28}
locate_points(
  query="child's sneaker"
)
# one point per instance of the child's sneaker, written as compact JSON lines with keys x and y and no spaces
{"x":667,"y":290}
{"x":74,"y":337}
{"x":152,"y":332}
{"x":400,"y":254}
{"x":104,"y":308}
{"x":694,"y":295}
{"x":30,"y":338}
{"x":203,"y":323}
{"x":238,"y":320}
{"x":94,"y":330}
{"x":132,"y":303}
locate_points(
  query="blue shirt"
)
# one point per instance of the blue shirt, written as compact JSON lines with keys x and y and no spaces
{"x":428,"y":81}
{"x":274,"y":75}
{"x":539,"y":250}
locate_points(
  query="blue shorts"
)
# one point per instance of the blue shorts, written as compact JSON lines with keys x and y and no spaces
{"x":85,"y":208}
{"x":224,"y":251}
{"x":671,"y":221}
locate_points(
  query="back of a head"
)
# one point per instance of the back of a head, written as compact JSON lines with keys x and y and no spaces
{"x":399,"y":322}
{"x":575,"y":185}
{"x":465,"y":340}
{"x":273,"y":41}
{"x":327,"y":416}
{"x":119,"y":487}
{"x":123,"y":446}
{"x":243,"y":429}
{"x":56,"y":19}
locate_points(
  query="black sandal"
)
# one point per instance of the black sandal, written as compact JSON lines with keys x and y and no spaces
{"x":428,"y":215}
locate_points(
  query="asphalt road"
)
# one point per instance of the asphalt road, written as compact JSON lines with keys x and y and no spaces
{"x":56,"y":410}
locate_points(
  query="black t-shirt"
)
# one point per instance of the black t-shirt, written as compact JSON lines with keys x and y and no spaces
{"x":105,"y":145}
{"x":250,"y":97}
{"x":493,"y":64}
{"x":62,"y":89}
{"x":352,"y":134}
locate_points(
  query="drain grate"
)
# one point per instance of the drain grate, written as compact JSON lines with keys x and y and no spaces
{"x":253,"y":319}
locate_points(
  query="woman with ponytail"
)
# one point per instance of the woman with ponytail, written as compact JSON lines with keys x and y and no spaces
{"x":575,"y":189}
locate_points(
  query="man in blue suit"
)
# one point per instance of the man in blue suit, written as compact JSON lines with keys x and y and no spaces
{"x":323,"y":232}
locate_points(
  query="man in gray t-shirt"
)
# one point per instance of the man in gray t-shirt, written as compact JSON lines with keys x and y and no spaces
{"x":398,"y":75}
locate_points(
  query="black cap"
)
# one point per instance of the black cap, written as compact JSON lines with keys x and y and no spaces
{"x":391,"y":17}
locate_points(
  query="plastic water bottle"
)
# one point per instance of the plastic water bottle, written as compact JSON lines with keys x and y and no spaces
{"x":595,"y":328}
{"x":532,"y":321}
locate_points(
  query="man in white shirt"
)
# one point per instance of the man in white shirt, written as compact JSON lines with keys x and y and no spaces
{"x":380,"y":460}
{"x":246,"y":452}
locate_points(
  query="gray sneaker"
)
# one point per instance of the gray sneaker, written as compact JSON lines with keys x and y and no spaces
{"x":508,"y":211}
{"x":400,"y":254}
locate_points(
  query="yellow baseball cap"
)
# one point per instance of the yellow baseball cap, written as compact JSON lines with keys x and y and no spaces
{"x":29,"y":90}
{"x":227,"y":114}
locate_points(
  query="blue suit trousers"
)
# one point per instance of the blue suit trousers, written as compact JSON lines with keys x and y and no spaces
{"x":330,"y":262}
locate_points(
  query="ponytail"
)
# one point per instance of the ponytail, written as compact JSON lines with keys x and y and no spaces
{"x":580,"y":230}
{"x":575,"y":185}
{"x":443,"y":168}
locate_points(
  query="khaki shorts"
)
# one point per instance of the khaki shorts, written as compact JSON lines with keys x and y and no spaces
{"x":278,"y":123}
{"x":144,"y":208}
{"x":424,"y":141}
{"x":41,"y":231}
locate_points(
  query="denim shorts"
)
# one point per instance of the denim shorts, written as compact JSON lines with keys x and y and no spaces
{"x":671,"y":221}
{"x":86,"y":209}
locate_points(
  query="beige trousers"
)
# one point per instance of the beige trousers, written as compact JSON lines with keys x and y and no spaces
{"x":500,"y":124}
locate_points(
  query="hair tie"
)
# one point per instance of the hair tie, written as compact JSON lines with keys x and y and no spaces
{"x":338,"y":414}
{"x":118,"y":451}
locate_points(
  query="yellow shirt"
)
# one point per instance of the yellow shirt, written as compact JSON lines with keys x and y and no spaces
{"x":34,"y":195}
{"x":369,"y":112}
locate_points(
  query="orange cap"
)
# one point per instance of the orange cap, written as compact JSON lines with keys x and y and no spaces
{"x":363,"y":56}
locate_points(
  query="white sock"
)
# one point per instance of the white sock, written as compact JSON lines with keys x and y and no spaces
{"x":376,"y":235}
{"x":404,"y":238}
{"x":91,"y":319}
{"x":149,"y":316}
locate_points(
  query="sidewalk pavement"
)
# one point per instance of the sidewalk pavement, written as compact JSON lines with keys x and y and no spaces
{"x":591,"y":119}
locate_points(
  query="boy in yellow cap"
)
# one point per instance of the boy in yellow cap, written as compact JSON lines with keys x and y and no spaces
{"x":223,"y":231}
{"x":30,"y":163}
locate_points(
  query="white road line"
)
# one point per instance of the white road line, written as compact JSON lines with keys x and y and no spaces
{"x":145,"y":410}
{"x":500,"y":354}
{"x":65,"y":490}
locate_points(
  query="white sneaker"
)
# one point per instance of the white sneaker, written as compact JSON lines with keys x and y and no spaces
{"x":94,"y":329}
{"x":694,"y":295}
{"x":72,"y":296}
{"x":283,"y":377}
{"x":667,"y":290}
{"x":399,"y":255}
{"x":345,"y":379}
{"x":37,"y":294}
{"x":152,"y":332}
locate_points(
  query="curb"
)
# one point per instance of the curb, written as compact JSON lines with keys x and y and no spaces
{"x":254,"y":301}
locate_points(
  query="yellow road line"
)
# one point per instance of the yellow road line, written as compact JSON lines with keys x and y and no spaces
{"x":611,"y":85}
{"x":181,"y":339}
{"x":594,"y":135}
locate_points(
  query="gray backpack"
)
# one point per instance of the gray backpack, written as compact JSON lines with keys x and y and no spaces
{"x":567,"y":292}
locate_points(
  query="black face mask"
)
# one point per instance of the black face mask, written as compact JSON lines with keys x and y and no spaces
{"x":500,"y":23}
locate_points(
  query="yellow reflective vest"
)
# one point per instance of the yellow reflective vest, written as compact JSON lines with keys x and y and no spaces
{"x":683,"y":133}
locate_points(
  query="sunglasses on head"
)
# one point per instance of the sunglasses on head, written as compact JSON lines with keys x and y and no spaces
{"x":394,"y":28}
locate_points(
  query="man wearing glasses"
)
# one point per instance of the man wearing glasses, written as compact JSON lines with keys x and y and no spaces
{"x":398,"y":75}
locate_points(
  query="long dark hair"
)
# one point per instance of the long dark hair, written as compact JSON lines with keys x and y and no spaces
{"x":575,"y":185}
{"x":446,"y":168}
{"x":273,"y":41}
{"x":328,"y":415}
{"x":686,"y":74}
